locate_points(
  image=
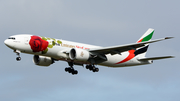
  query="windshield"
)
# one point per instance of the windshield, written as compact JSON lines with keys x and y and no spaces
{"x":13,"y":38}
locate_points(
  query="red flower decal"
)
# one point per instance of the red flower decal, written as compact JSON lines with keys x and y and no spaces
{"x":38,"y":44}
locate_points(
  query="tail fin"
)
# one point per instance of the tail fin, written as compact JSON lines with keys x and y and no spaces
{"x":147,"y":35}
{"x":141,"y":52}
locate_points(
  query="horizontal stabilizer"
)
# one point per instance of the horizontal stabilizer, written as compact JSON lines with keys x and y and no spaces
{"x":155,"y":58}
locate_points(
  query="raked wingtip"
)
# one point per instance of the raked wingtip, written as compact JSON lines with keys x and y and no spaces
{"x":169,"y":37}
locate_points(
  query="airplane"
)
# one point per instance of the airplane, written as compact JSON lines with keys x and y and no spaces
{"x":48,"y":50}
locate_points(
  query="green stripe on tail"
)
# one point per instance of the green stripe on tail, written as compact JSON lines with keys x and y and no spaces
{"x":147,"y":38}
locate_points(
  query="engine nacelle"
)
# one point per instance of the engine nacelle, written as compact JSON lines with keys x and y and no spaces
{"x":79,"y":54}
{"x":42,"y":60}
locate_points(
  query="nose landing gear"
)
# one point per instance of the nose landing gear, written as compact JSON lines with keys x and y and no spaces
{"x":18,"y":54}
{"x":18,"y":58}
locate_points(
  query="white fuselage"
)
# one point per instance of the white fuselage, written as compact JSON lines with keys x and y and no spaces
{"x":58,"y":49}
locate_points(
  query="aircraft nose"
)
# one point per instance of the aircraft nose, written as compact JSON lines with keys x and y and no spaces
{"x":8,"y":43}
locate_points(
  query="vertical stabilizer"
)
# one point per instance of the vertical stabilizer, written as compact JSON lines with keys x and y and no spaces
{"x":147,"y":35}
{"x":141,"y":52}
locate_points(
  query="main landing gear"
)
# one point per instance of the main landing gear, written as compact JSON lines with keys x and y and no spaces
{"x":18,"y":54}
{"x":74,"y":72}
{"x":71,"y":69}
{"x":92,"y":68}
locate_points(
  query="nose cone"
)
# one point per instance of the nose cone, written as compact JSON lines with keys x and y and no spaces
{"x":9,"y":43}
{"x":6,"y":42}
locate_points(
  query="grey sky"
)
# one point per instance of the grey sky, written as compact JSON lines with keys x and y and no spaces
{"x":97,"y":22}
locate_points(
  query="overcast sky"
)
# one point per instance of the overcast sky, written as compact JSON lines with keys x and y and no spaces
{"x":97,"y":22}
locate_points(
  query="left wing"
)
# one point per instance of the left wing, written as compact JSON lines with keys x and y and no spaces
{"x":122,"y":48}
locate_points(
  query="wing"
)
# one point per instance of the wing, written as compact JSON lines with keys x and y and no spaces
{"x":122,"y":48}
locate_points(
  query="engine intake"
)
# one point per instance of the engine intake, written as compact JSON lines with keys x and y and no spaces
{"x":79,"y":54}
{"x":42,"y":60}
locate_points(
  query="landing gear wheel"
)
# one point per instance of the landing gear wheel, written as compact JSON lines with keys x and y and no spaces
{"x":74,"y":72}
{"x":87,"y":67}
{"x":66,"y":69}
{"x":18,"y":54}
{"x":97,"y":69}
{"x":18,"y":58}
{"x":92,"y":68}
{"x":71,"y":70}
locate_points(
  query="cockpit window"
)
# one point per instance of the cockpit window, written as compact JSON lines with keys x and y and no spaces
{"x":13,"y":38}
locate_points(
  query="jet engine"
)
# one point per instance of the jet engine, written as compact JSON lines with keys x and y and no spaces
{"x":42,"y":60}
{"x":79,"y":54}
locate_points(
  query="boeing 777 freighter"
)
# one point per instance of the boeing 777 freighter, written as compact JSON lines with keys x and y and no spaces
{"x":48,"y":50}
